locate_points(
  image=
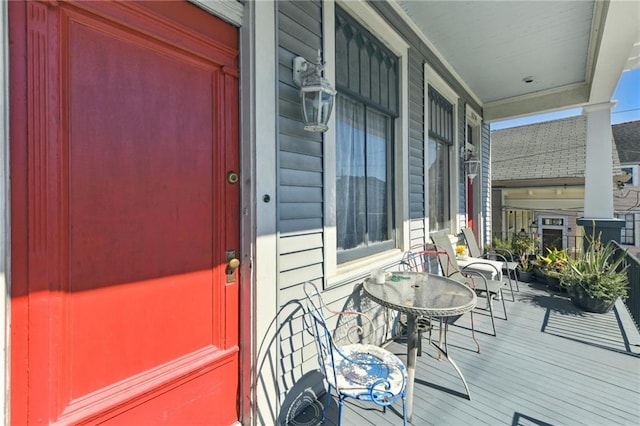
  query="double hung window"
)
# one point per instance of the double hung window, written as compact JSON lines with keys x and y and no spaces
{"x":627,"y":233}
{"x":366,"y":108}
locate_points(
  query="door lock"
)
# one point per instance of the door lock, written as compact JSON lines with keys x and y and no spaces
{"x":232,"y":264}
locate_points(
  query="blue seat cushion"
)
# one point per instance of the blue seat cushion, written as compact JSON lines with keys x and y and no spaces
{"x":373,"y":363}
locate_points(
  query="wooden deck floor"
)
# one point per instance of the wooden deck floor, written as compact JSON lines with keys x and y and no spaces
{"x":550,"y":364}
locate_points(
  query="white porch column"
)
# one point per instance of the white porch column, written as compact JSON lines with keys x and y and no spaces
{"x":259,"y":97}
{"x":598,"y":217}
{"x":598,"y":191}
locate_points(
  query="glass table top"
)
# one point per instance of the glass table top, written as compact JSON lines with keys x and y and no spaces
{"x":420,"y":293}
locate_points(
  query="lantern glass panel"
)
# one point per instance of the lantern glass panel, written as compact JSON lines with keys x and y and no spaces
{"x":473,"y":167}
{"x":317,"y":103}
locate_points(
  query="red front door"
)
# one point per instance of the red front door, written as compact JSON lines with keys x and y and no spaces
{"x":124,"y":124}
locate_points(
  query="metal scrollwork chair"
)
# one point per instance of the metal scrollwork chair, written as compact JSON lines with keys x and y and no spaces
{"x":356,"y":370}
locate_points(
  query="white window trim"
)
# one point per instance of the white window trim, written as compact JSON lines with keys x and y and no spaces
{"x":635,"y":226}
{"x":634,"y":174}
{"x":366,"y":16}
{"x":473,"y":119}
{"x":563,"y":227}
{"x":431,"y":78}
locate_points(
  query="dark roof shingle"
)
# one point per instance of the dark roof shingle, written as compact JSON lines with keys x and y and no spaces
{"x":627,"y":137}
{"x":552,"y":149}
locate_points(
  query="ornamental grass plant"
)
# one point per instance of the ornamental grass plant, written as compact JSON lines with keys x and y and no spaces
{"x":599,"y":273}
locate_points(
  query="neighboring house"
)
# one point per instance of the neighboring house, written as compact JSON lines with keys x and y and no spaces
{"x":538,"y":179}
{"x":162,"y":203}
{"x":627,"y":198}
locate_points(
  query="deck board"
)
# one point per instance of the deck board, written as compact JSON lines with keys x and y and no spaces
{"x":550,"y":364}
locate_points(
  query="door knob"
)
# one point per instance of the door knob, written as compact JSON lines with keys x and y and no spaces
{"x":233,"y":263}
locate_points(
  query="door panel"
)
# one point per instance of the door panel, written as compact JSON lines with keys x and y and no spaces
{"x":131,"y":129}
{"x":551,"y":238}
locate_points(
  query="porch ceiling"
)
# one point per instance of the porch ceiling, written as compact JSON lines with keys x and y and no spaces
{"x":574,"y":51}
{"x":546,"y":198}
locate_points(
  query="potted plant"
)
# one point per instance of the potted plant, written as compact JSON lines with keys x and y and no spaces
{"x":520,"y":248}
{"x":525,"y":248}
{"x":551,"y":265}
{"x":597,"y":278}
{"x":525,"y":272}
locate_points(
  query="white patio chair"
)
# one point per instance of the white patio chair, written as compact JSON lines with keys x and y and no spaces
{"x":468,"y":276}
{"x":505,"y":257}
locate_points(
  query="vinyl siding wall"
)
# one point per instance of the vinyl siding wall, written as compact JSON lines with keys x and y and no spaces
{"x":417,"y":172}
{"x":461,"y":182}
{"x":485,"y":191}
{"x":300,"y":195}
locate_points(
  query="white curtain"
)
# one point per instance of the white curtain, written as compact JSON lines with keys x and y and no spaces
{"x":361,"y":175}
{"x":439,"y":187}
{"x":350,"y":174}
{"x":377,"y":137}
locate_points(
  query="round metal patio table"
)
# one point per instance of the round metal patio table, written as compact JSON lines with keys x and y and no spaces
{"x":421,"y":294}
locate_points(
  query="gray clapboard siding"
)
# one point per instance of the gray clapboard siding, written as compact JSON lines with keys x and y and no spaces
{"x":462,"y":181}
{"x":417,"y":224}
{"x":296,"y":276}
{"x":300,"y":242}
{"x":296,"y":292}
{"x":416,"y":151}
{"x":297,"y":356}
{"x":297,"y":161}
{"x":417,"y":232}
{"x":300,"y":226}
{"x":487,"y":192}
{"x":299,"y":21}
{"x":290,"y":109}
{"x":300,"y":259}
{"x":300,"y":163}
{"x":297,"y":210}
{"x":285,"y":64}
{"x":307,"y":49}
{"x":415,"y":133}
{"x":298,"y":194}
{"x":300,"y":177}
{"x":417,"y":208}
{"x":292,"y":144}
{"x":313,"y":8}
{"x":288,"y":90}
{"x":295,"y":128}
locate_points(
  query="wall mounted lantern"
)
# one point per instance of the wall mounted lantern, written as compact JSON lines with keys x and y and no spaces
{"x":316,"y":93}
{"x":472,"y":164}
{"x":473,"y":168}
